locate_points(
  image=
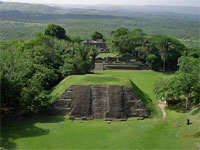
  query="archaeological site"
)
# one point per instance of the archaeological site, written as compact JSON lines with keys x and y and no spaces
{"x":110,"y":102}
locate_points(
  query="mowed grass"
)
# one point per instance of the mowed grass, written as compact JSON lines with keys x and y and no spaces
{"x":88,"y":80}
{"x":144,"y":79}
{"x":102,"y":55}
{"x":58,"y":132}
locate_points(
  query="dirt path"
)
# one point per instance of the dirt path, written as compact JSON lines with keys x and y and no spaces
{"x":162,"y":107}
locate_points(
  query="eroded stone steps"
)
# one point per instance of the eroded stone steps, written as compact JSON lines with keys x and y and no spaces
{"x":100,"y":101}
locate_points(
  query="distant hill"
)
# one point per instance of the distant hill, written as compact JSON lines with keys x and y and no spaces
{"x":21,"y":20}
{"x":124,"y":9}
{"x":30,"y":8}
{"x":98,"y":9}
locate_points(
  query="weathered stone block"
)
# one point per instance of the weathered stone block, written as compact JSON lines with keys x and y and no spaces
{"x":121,"y":67}
{"x":100,"y":101}
{"x":99,"y":60}
{"x":61,"y":110}
{"x":99,"y":67}
{"x":81,"y":102}
{"x":116,"y":104}
{"x":132,"y":60}
{"x":110,"y":59}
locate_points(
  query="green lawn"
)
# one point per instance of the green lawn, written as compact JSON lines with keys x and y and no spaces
{"x":57,"y":132}
{"x":87,"y":80}
{"x":107,"y":55}
{"x":112,"y":54}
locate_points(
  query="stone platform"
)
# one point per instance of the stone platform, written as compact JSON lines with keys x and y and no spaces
{"x":100,"y":101}
{"x":101,"y":67}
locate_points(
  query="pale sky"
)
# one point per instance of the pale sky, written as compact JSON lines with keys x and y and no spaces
{"x":117,"y":2}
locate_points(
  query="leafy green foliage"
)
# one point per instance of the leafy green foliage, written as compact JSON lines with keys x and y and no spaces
{"x":97,"y":35}
{"x":124,"y":41}
{"x":184,"y":86}
{"x":30,"y":69}
{"x":16,"y":24}
{"x":155,"y":51}
{"x":77,"y":39}
{"x":150,"y":60}
{"x":55,"y":31}
{"x":79,"y":60}
{"x":168,"y":50}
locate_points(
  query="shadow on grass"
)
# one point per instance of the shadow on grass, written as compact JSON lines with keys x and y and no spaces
{"x":180,"y":108}
{"x":7,"y":143}
{"x":196,"y":111}
{"x":145,"y":98}
{"x":165,"y":72}
{"x":177,"y":108}
{"x":13,"y":129}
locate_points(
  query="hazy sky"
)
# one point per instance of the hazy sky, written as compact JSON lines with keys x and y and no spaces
{"x":117,"y":2}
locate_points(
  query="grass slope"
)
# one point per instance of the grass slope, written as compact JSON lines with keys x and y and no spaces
{"x":144,"y":80}
{"x":57,"y":132}
{"x":102,"y":55}
{"x":88,"y":80}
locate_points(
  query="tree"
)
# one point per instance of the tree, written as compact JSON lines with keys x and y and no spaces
{"x":55,"y":31}
{"x":168,"y":49}
{"x":141,"y":52}
{"x":15,"y":68}
{"x":79,"y":60}
{"x":97,"y":35}
{"x":28,"y":71}
{"x":194,"y":52}
{"x":126,"y":42}
{"x":118,"y":41}
{"x":77,"y":39}
{"x":119,"y":32}
{"x":183,"y":86}
{"x":151,"y":58}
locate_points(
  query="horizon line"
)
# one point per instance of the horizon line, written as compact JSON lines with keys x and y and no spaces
{"x":99,"y":4}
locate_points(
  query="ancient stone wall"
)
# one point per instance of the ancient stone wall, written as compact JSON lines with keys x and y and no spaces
{"x":100,"y":101}
{"x":108,"y":63}
{"x":99,"y":67}
{"x":122,"y":67}
{"x":114,"y":60}
{"x":100,"y":45}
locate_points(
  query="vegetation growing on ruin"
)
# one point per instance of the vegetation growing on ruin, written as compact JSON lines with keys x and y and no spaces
{"x":38,"y":67}
{"x":31,"y":69}
{"x":59,"y":132}
{"x":182,"y":89}
{"x":90,"y":79}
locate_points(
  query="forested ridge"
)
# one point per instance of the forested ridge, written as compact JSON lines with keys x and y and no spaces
{"x":21,"y":22}
{"x":30,"y":69}
{"x":42,"y":53}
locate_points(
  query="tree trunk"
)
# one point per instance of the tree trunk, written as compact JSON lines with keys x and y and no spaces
{"x":186,"y":103}
{"x":164,"y":64}
{"x":138,"y":56}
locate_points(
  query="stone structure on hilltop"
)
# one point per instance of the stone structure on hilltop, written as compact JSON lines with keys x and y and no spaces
{"x":100,"y":101}
{"x":100,"y":45}
{"x":108,"y":63}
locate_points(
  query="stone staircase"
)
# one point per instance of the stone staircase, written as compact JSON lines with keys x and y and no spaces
{"x":110,"y":102}
{"x":63,"y":105}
